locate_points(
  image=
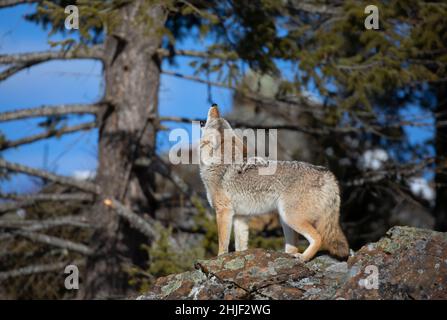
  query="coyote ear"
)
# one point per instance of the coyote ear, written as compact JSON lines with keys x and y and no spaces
{"x":213,"y":113}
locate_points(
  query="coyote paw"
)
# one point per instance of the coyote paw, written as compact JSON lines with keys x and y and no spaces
{"x":299,"y":256}
{"x":252,"y":162}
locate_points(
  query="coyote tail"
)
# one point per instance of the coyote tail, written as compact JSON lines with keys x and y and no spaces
{"x":329,"y":228}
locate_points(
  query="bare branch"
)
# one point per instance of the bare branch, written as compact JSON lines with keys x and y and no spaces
{"x":25,"y":60}
{"x":36,"y":225}
{"x":358,"y":66}
{"x":134,"y":220}
{"x":32,"y":58}
{"x":48,"y":196}
{"x":159,"y":165}
{"x":265,"y":102}
{"x":82,"y":185}
{"x":55,"y":241}
{"x":44,"y":111}
{"x":26,"y":271}
{"x":322,"y":130}
{"x":239,"y":124}
{"x":197,"y":79}
{"x":286,"y":101}
{"x":48,"y":134}
{"x":199,"y":54}
{"x":10,"y":206}
{"x":165,"y":170}
{"x":11,"y":71}
{"x":181,"y":119}
{"x":290,"y":127}
{"x":10,"y":3}
{"x":28,"y":200}
{"x":313,"y":8}
{"x":300,"y":101}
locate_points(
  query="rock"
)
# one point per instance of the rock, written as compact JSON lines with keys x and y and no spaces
{"x":407,"y":263}
{"x":238,"y":275}
{"x":410,"y":264}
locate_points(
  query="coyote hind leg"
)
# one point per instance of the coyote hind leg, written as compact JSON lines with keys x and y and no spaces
{"x":303,"y":227}
{"x":291,"y":238}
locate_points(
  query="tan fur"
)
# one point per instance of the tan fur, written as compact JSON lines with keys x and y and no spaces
{"x":305,"y":196}
{"x":214,"y":112}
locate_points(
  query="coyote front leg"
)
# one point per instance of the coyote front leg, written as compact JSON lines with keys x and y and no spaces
{"x":224,"y":218}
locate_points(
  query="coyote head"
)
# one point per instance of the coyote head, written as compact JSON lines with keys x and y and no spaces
{"x":219,"y":143}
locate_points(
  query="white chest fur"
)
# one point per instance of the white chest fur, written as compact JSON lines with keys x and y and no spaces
{"x":253,"y":205}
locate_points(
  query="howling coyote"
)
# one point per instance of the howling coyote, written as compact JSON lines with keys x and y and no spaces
{"x":305,"y":196}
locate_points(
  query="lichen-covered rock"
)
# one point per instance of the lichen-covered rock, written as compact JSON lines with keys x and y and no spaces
{"x":254,"y":269}
{"x":238,"y":275}
{"x":408,"y":263}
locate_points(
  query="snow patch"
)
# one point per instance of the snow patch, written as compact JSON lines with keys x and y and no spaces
{"x":373,"y":159}
{"x":421,"y":188}
{"x":84,"y":174}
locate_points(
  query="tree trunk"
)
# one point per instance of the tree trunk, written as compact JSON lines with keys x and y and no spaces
{"x":132,"y":75}
{"x":441,"y":154}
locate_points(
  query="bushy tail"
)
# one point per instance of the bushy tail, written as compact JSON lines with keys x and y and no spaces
{"x":335,"y":241}
{"x":329,"y":228}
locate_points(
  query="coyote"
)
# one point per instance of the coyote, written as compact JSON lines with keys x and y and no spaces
{"x":305,"y":196}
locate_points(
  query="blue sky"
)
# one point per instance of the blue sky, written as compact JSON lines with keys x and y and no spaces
{"x":81,"y":81}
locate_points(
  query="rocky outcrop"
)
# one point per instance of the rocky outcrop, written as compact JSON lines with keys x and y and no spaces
{"x":411,"y":264}
{"x":407,"y":263}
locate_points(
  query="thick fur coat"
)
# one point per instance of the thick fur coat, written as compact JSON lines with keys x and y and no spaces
{"x":306,"y":197}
